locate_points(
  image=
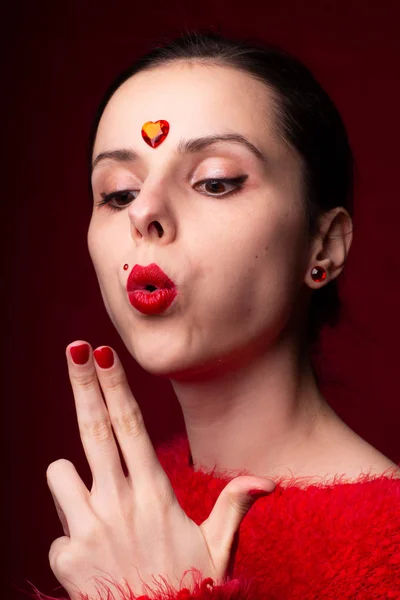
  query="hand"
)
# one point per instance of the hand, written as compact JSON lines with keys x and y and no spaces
{"x":131,"y":528}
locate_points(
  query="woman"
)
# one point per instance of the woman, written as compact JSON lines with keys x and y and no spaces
{"x":222,"y":179}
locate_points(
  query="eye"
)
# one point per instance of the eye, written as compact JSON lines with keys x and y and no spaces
{"x":214,"y":185}
{"x":125,"y":196}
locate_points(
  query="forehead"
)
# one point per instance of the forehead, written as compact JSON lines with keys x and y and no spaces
{"x":195,"y":99}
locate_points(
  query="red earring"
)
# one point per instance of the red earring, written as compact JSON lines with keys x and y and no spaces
{"x":318,"y":274}
{"x":125,"y":267}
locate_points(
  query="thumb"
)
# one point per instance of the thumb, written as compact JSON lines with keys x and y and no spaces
{"x":233,"y":503}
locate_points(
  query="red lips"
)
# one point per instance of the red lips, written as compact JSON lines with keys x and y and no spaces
{"x":149,"y":289}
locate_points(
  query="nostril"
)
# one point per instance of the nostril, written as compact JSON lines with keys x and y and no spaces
{"x":158,"y":227}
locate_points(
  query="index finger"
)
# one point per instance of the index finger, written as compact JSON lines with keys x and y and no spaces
{"x":128,"y":424}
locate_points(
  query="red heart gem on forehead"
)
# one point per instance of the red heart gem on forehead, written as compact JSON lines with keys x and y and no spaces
{"x":155,"y":133}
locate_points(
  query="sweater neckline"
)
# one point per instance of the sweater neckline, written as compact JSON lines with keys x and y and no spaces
{"x":175,"y":454}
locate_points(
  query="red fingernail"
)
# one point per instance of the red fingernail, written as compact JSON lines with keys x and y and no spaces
{"x":104,"y":357}
{"x":258,"y":493}
{"x":80,"y":354}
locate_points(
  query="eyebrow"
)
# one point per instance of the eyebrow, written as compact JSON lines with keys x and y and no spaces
{"x":189,"y":146}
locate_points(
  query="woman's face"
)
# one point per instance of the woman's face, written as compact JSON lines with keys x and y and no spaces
{"x":238,"y":259}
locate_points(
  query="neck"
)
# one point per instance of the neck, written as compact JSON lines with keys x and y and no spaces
{"x":262,"y":412}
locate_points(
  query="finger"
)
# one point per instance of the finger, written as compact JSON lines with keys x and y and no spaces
{"x":94,"y":425}
{"x":71,"y":496}
{"x":229,"y":510}
{"x":61,"y":515}
{"x":128,"y":423}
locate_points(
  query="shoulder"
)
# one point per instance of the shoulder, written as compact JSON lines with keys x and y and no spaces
{"x":384,"y":466}
{"x":346,"y":456}
{"x":360,"y":458}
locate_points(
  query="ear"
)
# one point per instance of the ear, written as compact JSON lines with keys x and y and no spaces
{"x":330,"y":245}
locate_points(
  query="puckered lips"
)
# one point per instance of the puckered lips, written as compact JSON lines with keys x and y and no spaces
{"x":148,"y":278}
{"x":150,"y":290}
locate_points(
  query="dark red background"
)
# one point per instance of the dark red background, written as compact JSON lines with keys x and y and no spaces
{"x":59,"y":59}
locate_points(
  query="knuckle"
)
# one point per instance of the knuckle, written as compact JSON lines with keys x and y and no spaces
{"x":237,"y":504}
{"x":160,"y":494}
{"x":129,"y":423}
{"x":120,"y":513}
{"x":91,"y":534}
{"x":86,"y":381}
{"x":60,"y":558}
{"x":114,"y":381}
{"x":99,"y":430}
{"x":63,"y":564}
{"x":165,"y":497}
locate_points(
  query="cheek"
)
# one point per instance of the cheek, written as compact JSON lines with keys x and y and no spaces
{"x":93,"y":241}
{"x":104,"y":253}
{"x":256,"y":278}
{"x":105,"y":249}
{"x":278,"y":266}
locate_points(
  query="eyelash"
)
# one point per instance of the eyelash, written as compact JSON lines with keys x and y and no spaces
{"x":236,"y":181}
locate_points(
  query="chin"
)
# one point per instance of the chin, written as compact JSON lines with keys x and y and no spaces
{"x":183,"y":369}
{"x":171,"y":363}
{"x":156,"y":358}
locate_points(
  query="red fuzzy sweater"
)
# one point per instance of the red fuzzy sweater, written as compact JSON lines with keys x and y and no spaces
{"x":303,"y":541}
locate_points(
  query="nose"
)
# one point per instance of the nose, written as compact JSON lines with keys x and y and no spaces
{"x":151,"y":216}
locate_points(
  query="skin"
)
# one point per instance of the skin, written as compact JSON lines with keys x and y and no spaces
{"x":231,"y":343}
